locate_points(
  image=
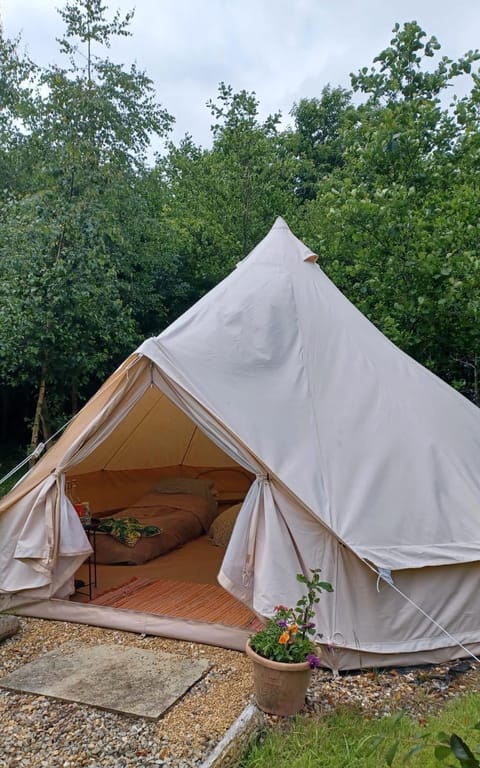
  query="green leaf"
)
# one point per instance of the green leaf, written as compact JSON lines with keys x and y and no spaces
{"x":375,"y":743}
{"x":392,"y":751}
{"x":441,"y":752}
{"x":443,"y":737}
{"x":414,"y":751}
{"x":462,"y":752}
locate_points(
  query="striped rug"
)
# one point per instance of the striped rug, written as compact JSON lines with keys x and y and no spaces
{"x":183,"y":600}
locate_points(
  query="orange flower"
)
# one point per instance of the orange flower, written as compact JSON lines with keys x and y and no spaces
{"x":284,"y":638}
{"x":293,"y":629}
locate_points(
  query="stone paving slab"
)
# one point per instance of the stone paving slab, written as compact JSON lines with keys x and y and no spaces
{"x":129,"y":681}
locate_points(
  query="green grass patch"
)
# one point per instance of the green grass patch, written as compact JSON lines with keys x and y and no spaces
{"x":346,"y":739}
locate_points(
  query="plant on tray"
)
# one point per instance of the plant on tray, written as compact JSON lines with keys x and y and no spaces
{"x":286,"y":645}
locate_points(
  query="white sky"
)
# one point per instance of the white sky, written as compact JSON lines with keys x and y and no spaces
{"x":283,"y":50}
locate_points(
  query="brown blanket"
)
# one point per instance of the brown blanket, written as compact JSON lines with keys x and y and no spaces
{"x":181,"y":517}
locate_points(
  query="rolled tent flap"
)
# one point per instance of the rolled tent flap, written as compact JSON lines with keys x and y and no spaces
{"x":262,"y":550}
{"x":38,"y":554}
{"x":36,"y":541}
{"x":39,"y":544}
{"x":72,"y":533}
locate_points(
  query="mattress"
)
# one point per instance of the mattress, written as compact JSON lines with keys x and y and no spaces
{"x":180,"y":517}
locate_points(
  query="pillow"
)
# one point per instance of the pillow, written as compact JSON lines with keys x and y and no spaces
{"x":221,"y":529}
{"x":184,"y":485}
{"x":203,"y":488}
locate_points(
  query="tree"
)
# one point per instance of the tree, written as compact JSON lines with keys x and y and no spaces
{"x":16,"y":75}
{"x":67,"y":251}
{"x":220,"y":201}
{"x":396,"y":215}
{"x":255,"y":175}
{"x":316,"y":141}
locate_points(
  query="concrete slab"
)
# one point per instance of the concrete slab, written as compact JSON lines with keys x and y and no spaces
{"x":130,"y":681}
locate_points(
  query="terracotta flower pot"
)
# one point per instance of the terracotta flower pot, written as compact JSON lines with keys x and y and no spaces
{"x":280,"y":687}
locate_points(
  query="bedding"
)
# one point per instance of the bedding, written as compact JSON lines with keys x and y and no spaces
{"x":127,"y":530}
{"x":180,"y":517}
{"x":195,"y":487}
{"x":221,"y":529}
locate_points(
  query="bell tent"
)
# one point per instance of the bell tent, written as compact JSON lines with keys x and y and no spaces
{"x":361,"y":463}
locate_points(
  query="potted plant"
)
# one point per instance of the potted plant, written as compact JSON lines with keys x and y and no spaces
{"x":284,"y":651}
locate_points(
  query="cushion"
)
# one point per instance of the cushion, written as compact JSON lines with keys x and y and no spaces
{"x":221,"y":529}
{"x":203,"y":488}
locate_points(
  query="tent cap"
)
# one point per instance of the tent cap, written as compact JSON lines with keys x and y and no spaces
{"x":277,"y":244}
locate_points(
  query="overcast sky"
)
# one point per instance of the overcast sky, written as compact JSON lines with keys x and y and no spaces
{"x":281,"y":49}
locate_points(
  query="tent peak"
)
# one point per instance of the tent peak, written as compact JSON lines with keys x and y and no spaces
{"x":280,"y":243}
{"x":307,"y":254}
{"x":281,"y":224}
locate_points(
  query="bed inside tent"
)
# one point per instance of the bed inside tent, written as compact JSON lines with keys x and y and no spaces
{"x":163,"y":500}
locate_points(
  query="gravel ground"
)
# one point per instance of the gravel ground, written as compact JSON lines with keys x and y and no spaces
{"x":40,"y":732}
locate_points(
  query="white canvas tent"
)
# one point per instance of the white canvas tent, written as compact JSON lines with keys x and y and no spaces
{"x":365,"y":464}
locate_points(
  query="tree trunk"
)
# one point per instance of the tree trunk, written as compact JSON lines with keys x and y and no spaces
{"x":38,"y":413}
{"x":45,"y":426}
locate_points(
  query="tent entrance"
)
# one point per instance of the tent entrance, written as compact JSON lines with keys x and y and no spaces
{"x":156,"y":446}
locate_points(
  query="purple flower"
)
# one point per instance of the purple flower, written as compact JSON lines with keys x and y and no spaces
{"x":313,"y":661}
{"x":282,"y":624}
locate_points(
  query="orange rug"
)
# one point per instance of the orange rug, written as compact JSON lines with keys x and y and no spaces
{"x":183,"y":600}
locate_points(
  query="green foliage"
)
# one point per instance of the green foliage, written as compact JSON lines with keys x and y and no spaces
{"x":98,"y":250}
{"x":316,"y":142}
{"x":394,"y":222}
{"x":288,"y":634}
{"x":400,"y":76}
{"x":439,"y":744}
{"x":347,"y":739}
{"x":69,"y":248}
{"x":16,"y":73}
{"x":222,"y":201}
{"x":16,"y":104}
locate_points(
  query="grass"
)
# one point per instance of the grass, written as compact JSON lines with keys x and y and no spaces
{"x":346,"y":739}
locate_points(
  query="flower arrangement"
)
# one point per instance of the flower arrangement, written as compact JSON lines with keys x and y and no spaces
{"x":288,"y":635}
